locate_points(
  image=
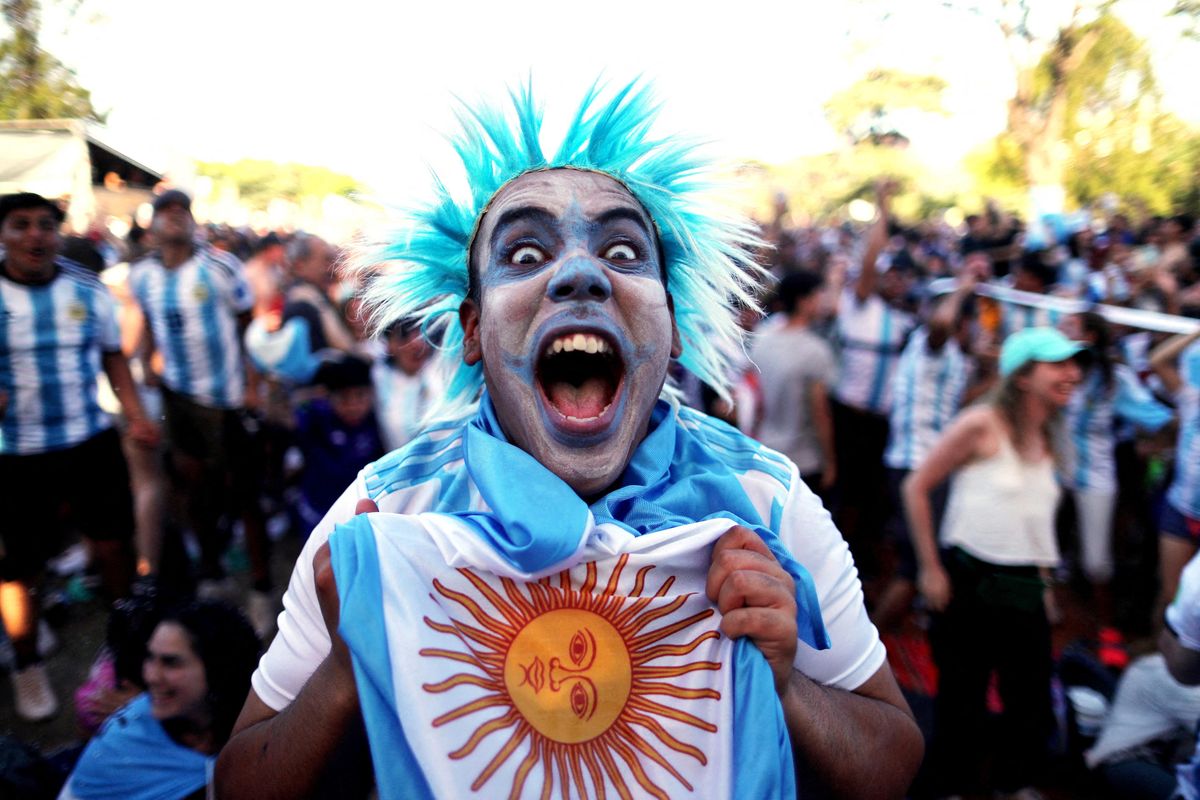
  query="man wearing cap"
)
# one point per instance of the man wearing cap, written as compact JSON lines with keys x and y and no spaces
{"x":58,"y":330}
{"x":562,"y":292}
{"x":195,"y":302}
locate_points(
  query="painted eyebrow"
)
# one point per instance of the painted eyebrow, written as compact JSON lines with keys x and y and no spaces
{"x":535,"y":214}
{"x":624,"y":213}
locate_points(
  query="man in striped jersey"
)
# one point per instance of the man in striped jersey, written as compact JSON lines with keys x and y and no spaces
{"x":196,"y":302}
{"x":871,"y":331}
{"x":57,"y":447}
{"x":927,"y":391}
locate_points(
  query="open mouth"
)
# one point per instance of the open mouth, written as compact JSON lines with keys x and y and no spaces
{"x":580,"y":376}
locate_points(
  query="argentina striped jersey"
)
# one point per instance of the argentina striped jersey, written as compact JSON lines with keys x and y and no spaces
{"x":192,"y":312}
{"x":1089,"y":461}
{"x":871,"y":334}
{"x":1184,"y":493}
{"x":51,"y":338}
{"x":927,"y":391}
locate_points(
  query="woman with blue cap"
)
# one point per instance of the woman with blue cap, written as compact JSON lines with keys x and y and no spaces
{"x":983,"y":579}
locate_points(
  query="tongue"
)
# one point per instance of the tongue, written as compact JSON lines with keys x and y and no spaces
{"x":582,"y":402}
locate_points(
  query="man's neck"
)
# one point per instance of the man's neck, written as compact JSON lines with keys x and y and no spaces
{"x":34,"y":277}
{"x":174,"y":254}
{"x":797,"y":321}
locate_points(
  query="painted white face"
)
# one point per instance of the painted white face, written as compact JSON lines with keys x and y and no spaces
{"x":574,"y":326}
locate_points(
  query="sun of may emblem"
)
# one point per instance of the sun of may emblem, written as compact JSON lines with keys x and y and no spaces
{"x":571,"y":671}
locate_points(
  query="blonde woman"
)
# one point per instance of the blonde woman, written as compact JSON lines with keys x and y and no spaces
{"x":983,"y":580}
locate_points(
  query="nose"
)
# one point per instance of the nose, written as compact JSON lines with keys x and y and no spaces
{"x":579,"y":278}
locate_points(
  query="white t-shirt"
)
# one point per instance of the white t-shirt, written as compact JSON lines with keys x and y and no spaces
{"x":428,"y":474}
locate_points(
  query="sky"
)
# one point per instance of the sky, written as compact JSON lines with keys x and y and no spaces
{"x":367,"y":88}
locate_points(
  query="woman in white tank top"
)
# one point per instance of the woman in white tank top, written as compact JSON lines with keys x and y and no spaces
{"x":983,"y":581}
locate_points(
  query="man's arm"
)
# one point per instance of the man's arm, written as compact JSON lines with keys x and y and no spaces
{"x":822,"y":418}
{"x":1182,"y":662}
{"x":863,"y":743}
{"x":283,"y":754}
{"x":142,"y":430}
{"x":877,"y":239}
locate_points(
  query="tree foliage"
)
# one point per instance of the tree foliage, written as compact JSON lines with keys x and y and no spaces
{"x":1087,"y":117}
{"x":33,"y":83}
{"x":259,"y":182}
{"x":865,"y":111}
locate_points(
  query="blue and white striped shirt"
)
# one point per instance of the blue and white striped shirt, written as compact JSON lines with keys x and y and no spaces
{"x":927,"y":390}
{"x":1184,"y":493}
{"x":192,"y":311}
{"x":1016,"y":317}
{"x":1089,"y":462}
{"x":871,"y":334}
{"x":51,"y":338}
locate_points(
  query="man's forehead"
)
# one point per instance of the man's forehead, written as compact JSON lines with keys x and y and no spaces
{"x":30,"y":214}
{"x":556,"y":190}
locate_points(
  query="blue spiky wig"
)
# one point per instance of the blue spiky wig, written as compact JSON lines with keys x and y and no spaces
{"x":421,"y":273}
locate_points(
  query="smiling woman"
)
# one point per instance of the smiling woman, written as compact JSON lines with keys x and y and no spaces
{"x":164,"y":742}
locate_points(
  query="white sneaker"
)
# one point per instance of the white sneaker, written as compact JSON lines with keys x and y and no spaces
{"x":262,"y":611}
{"x":35,"y":699}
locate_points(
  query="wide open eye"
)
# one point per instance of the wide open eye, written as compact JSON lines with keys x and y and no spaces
{"x":620,"y":252}
{"x":527,"y":256}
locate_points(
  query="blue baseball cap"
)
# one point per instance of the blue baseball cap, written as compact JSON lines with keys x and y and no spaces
{"x":1035,"y":344}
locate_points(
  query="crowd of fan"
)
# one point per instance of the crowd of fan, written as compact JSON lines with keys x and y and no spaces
{"x":257,"y":397}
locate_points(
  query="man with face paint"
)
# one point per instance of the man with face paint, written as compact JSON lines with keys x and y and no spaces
{"x":566,"y":287}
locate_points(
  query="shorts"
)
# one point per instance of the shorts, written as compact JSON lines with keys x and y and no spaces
{"x":1179,"y":525}
{"x":85,"y":488}
{"x":216,"y":437}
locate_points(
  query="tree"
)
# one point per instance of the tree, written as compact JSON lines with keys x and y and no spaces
{"x":259,"y":182}
{"x":33,"y":83}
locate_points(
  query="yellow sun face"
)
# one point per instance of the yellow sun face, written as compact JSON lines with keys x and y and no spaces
{"x":573,"y":672}
{"x":569,"y":674}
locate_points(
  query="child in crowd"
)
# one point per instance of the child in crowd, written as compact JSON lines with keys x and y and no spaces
{"x":336,"y":435}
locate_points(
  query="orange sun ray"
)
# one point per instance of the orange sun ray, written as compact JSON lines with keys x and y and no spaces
{"x":576,"y":774}
{"x":511,"y":614}
{"x":662,"y":651}
{"x":614,"y":577}
{"x":645,"y":619}
{"x":666,"y":738}
{"x":476,"y":611}
{"x":507,"y":750}
{"x":470,"y":708}
{"x":629,"y":736}
{"x":461,"y":679}
{"x":527,"y":764}
{"x":639,"y":774}
{"x":614,"y":774}
{"x":487,"y":729}
{"x":453,"y":655}
{"x":674,"y":627}
{"x":672,"y":713}
{"x":640,"y":582}
{"x":593,"y":769}
{"x":666,"y":689}
{"x":517,"y":599}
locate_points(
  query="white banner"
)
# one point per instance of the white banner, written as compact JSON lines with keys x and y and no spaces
{"x":1118,"y":315}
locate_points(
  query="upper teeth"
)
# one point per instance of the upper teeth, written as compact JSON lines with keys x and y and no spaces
{"x":584,"y":342}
